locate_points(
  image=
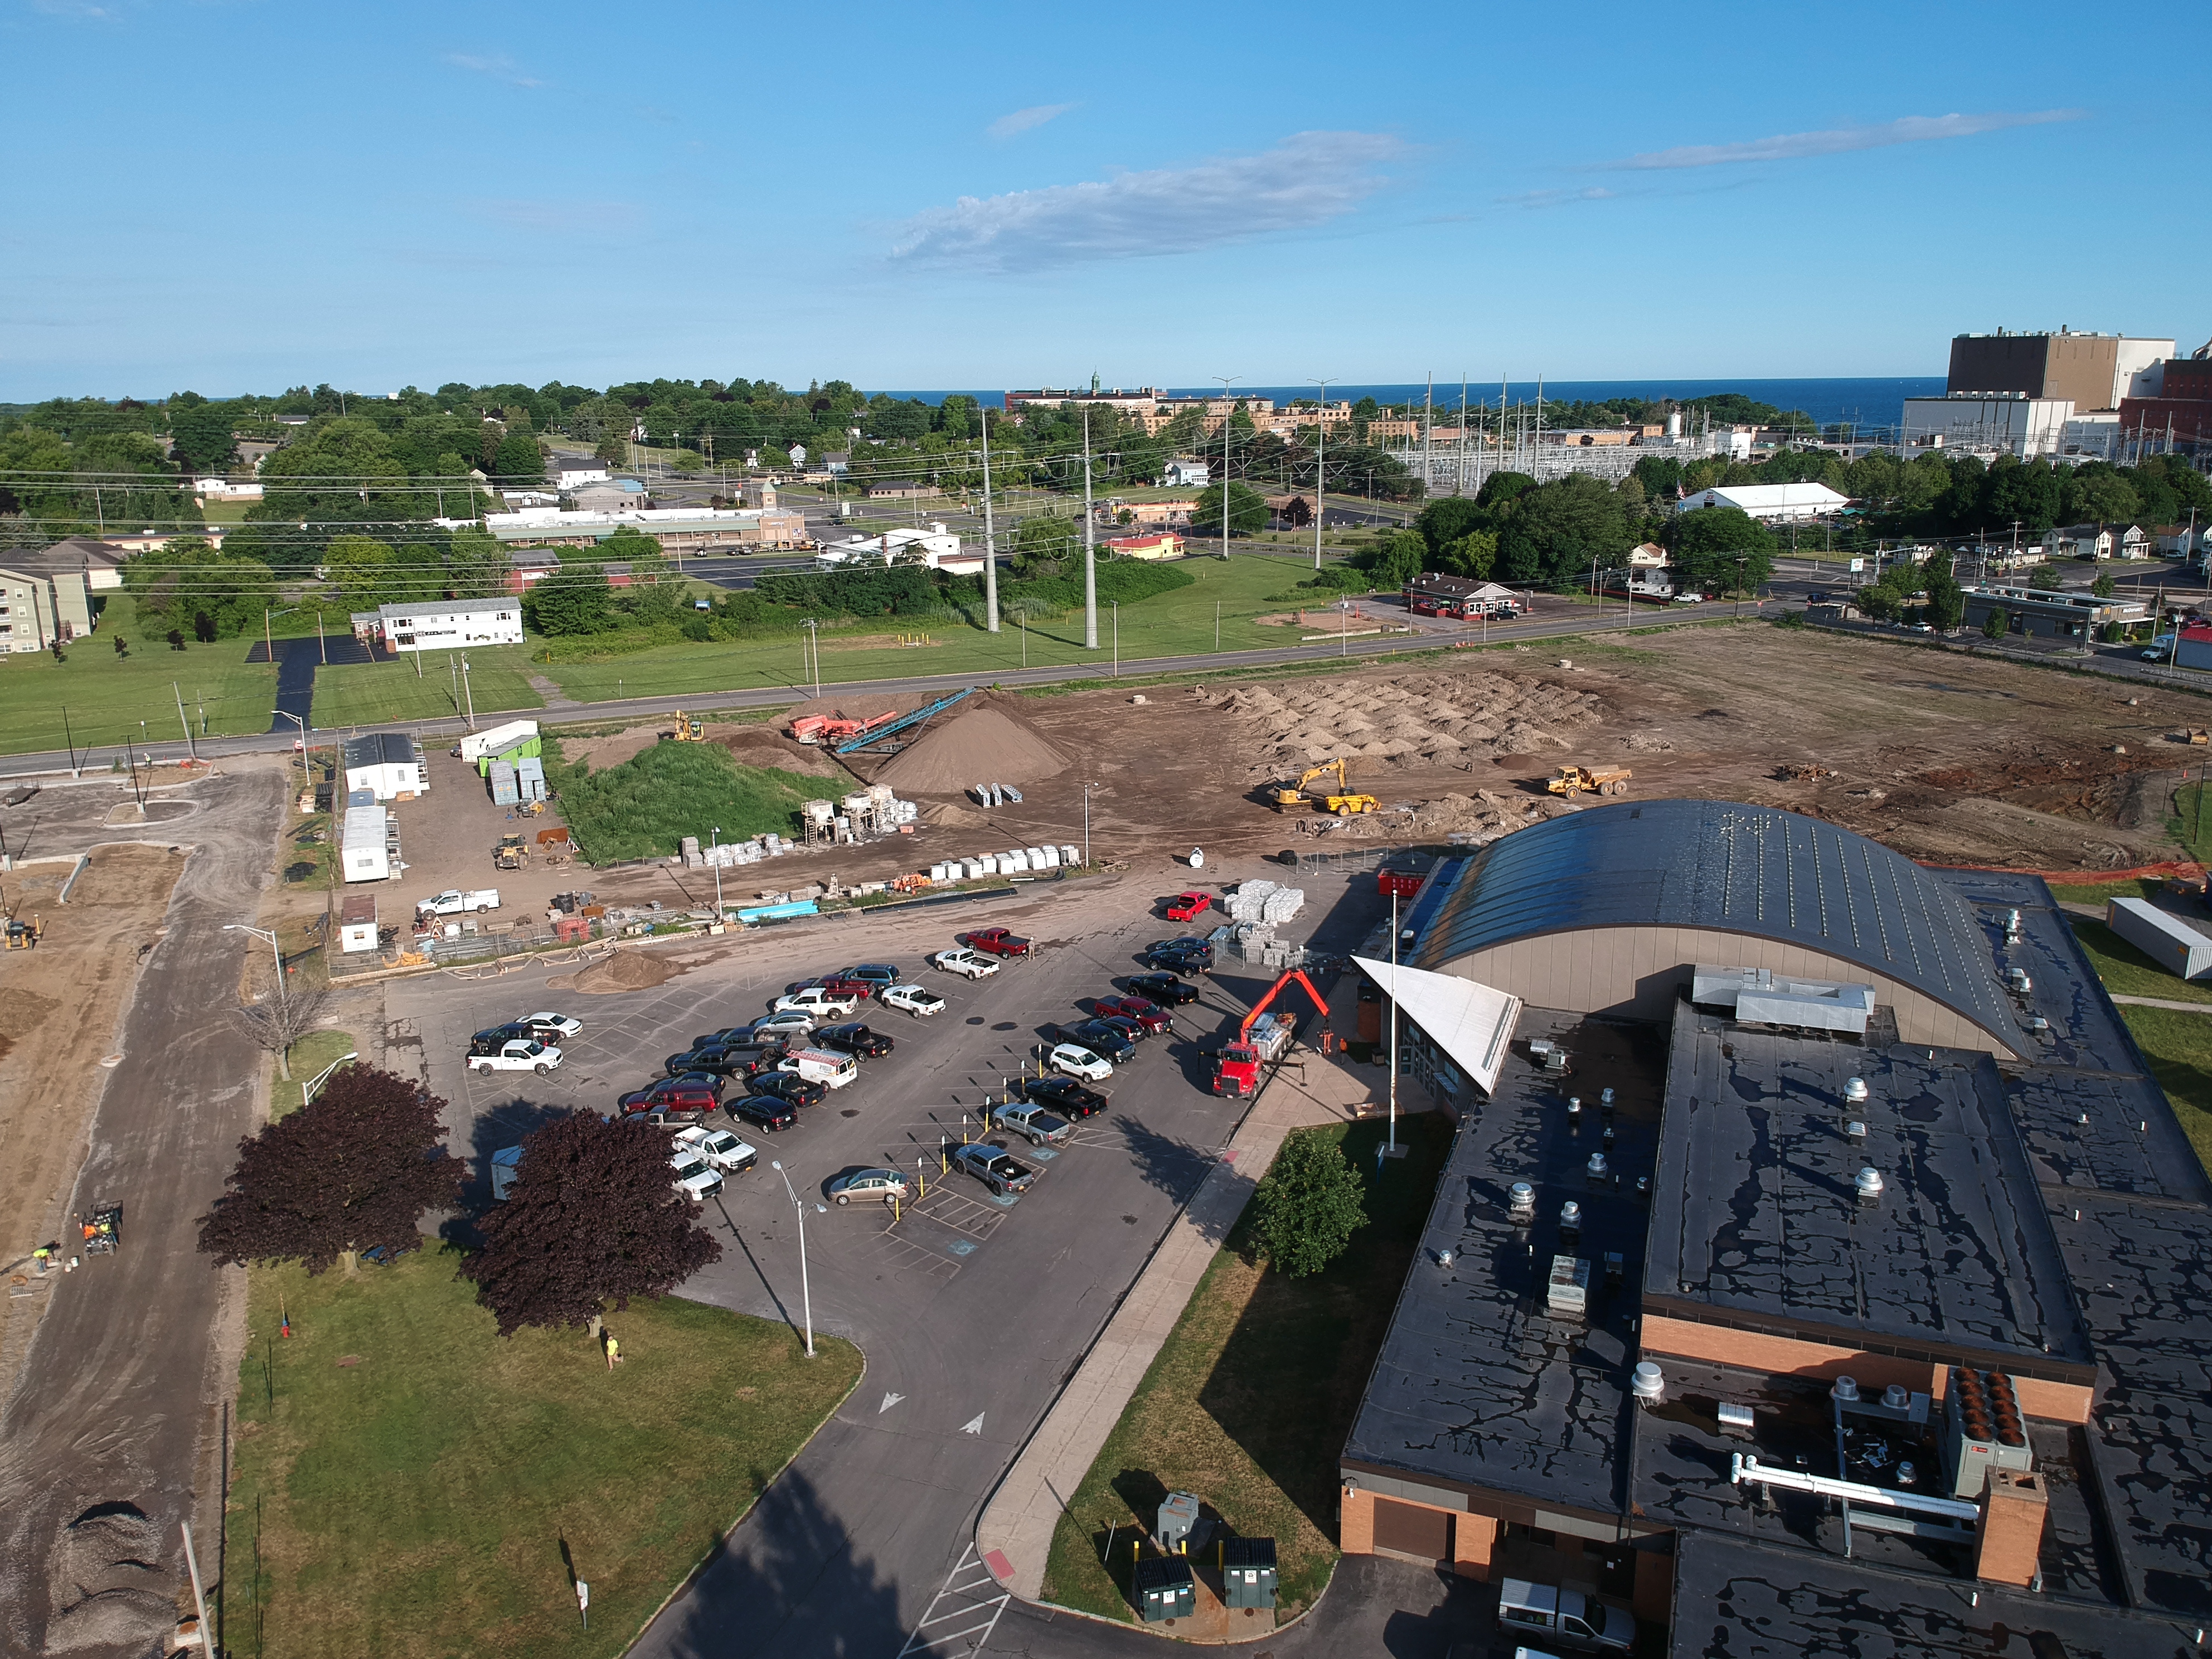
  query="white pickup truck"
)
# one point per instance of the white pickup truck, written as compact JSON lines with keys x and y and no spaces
{"x":454,"y":903}
{"x":522,"y":1054}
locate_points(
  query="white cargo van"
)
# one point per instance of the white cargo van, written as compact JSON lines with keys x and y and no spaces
{"x":832,"y":1071}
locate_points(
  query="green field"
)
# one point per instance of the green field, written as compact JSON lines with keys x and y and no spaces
{"x":407,"y":1482}
{"x":1250,"y":1400}
{"x":106,"y":696}
{"x":309,"y":1056}
{"x":1172,"y":624}
{"x":2178,"y":1046}
{"x":376,"y":694}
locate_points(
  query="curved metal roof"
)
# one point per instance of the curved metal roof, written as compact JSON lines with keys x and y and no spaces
{"x":1733,"y":868}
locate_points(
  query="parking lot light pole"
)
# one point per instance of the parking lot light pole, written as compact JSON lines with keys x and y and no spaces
{"x":717,"y":863}
{"x":806,"y":1290}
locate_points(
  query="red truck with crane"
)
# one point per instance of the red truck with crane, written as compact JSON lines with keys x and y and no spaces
{"x":1261,"y":1039}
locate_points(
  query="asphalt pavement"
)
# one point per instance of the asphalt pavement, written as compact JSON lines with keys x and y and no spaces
{"x":110,"y":1440}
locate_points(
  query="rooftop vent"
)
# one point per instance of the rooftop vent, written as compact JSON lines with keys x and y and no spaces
{"x":1870,"y":1183}
{"x":1846,"y":1389}
{"x":1855,"y":1129}
{"x":1595,"y":1168}
{"x":1856,"y":1090}
{"x":1570,"y":1214}
{"x":1648,"y":1385}
{"x":1523,"y":1205}
{"x":1735,"y":1417}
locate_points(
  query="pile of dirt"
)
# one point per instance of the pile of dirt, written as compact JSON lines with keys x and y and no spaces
{"x":768,"y":746}
{"x":991,"y":744}
{"x":1421,"y":720}
{"x":625,"y":970}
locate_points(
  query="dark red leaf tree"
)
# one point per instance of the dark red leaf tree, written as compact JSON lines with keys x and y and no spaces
{"x":592,"y":1218}
{"x":355,"y":1168}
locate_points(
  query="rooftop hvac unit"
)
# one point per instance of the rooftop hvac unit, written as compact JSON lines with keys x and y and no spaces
{"x":1985,"y":1430}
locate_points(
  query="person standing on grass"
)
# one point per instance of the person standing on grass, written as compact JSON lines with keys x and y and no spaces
{"x":614,"y":1351}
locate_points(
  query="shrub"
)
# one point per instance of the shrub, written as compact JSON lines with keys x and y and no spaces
{"x":649,"y":804}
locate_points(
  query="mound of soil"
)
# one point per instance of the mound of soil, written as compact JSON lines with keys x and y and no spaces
{"x":990,"y":745}
{"x":767,"y":745}
{"x":625,"y":970}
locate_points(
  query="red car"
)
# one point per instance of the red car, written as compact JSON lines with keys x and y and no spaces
{"x":838,"y":985}
{"x":693,"y":1095}
{"x":1189,"y":906}
{"x":996,"y":940}
{"x":1150,"y":1015}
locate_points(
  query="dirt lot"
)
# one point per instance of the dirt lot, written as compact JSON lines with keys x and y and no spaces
{"x":60,"y":1005}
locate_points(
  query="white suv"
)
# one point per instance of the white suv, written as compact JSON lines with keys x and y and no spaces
{"x":1072,"y":1059}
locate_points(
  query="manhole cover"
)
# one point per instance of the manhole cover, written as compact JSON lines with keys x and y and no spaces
{"x":1004,"y":1025}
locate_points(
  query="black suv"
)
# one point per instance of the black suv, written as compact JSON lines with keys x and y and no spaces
{"x":1071,"y":1099}
{"x":1101,"y":1039}
{"x":1163,"y":988}
{"x":1177,"y":958}
{"x":725,"y":1059}
{"x":492,"y":1039}
{"x":852,"y":1038}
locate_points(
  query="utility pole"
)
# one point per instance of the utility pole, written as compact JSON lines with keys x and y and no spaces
{"x":1428,"y":438}
{"x":805,"y":1288}
{"x":1321,"y":455}
{"x":1394,"y":1018}
{"x":183,"y":721}
{"x":1227,"y":407}
{"x":990,"y":548}
{"x":1090,"y":562}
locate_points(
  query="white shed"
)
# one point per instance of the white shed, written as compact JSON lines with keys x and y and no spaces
{"x":361,"y":846}
{"x":357,"y":923}
{"x":388,"y":764}
{"x":2167,"y":940}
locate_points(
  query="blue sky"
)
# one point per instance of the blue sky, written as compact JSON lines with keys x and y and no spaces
{"x":230,"y":196}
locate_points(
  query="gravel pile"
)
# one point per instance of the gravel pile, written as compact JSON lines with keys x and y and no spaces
{"x":1423,"y":720}
{"x":968,"y":746}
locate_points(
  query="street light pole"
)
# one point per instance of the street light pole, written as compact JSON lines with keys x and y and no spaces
{"x":277,"y":955}
{"x":717,"y":862}
{"x":1321,"y":456}
{"x":806,"y":1290}
{"x":1393,"y":1019}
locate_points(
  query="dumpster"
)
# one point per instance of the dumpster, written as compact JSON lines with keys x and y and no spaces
{"x":1248,"y":1572}
{"x":1178,"y":1522}
{"x":1166,"y":1588}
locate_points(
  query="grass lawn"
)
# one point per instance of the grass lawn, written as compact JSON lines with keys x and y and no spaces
{"x":310,"y":1054}
{"x":2096,"y":892}
{"x":1250,"y":1400}
{"x":373,"y":694}
{"x":650,"y":802}
{"x":407,"y":1482}
{"x":2178,"y":1046}
{"x":1177,"y":623}
{"x":107,"y":697}
{"x":2127,"y":971}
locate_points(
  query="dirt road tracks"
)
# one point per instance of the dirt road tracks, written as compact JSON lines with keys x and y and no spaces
{"x":108,"y":1441}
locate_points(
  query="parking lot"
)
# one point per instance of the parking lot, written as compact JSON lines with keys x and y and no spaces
{"x":972,"y":1310}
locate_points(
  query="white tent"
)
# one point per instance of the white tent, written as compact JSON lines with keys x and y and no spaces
{"x":1471,"y":1022}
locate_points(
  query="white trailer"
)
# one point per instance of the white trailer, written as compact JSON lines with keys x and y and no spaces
{"x":478,"y":745}
{"x":2167,"y":940}
{"x":361,"y":846}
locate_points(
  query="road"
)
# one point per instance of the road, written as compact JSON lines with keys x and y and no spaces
{"x":117,"y":1407}
{"x":972,"y":1313}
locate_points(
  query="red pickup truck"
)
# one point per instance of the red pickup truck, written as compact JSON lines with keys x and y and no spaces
{"x":1150,"y":1015}
{"x":996,"y":940}
{"x":1188,"y":907}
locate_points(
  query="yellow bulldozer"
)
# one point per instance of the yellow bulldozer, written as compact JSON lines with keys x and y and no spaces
{"x":1590,"y":781}
{"x":1343,"y":802}
{"x":24,"y":935}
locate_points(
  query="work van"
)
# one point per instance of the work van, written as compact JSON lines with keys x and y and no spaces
{"x":832,"y":1071}
{"x":1566,"y":1618}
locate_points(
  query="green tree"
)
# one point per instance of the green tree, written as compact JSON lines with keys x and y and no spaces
{"x":190,"y":582}
{"x":518,"y":462}
{"x":1995,"y":624}
{"x":2095,"y":494}
{"x":477,"y":566}
{"x":1306,"y":1209}
{"x":1879,"y":601}
{"x":1247,"y":510}
{"x":1717,"y":549}
{"x":1558,"y":529}
{"x":1402,"y":556}
{"x":2025,"y":492}
{"x":1473,"y":556}
{"x":360,"y":569}
{"x":1045,"y":541}
{"x":1501,"y":487}
{"x":1947,"y":600}
{"x":2104,"y":586}
{"x":1447,"y":519}
{"x":574,"y":599}
{"x":201,"y":437}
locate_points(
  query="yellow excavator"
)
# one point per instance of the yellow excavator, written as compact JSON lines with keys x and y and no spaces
{"x":690,"y":728}
{"x":1343,"y":802}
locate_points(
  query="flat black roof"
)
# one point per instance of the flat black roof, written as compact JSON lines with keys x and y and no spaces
{"x":1741,"y":1600}
{"x":381,"y":749}
{"x":1477,"y":1387}
{"x":1756,"y":1217}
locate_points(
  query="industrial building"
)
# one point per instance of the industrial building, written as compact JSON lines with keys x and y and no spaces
{"x":1817,"y":1265}
{"x":2041,"y":614}
{"x":2089,"y":371}
{"x":679,"y":529}
{"x":1772,"y":503}
{"x":445,"y":624}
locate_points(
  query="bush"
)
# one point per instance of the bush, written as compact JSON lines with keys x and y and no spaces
{"x":1306,"y":1209}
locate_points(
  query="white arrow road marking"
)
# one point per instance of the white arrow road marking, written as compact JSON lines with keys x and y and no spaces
{"x":890,"y":1400}
{"x":974,"y":1425}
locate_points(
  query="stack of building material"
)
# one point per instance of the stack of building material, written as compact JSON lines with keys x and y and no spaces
{"x":1249,"y":901}
{"x":1283,"y":904}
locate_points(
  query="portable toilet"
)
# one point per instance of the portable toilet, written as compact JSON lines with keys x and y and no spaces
{"x":1248,"y":1572}
{"x":1178,"y":1521}
{"x":1165,"y":1589}
{"x":1071,"y":855}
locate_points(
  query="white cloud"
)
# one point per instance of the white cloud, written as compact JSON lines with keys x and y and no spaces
{"x":1794,"y":146}
{"x":1542,"y":198}
{"x":1307,"y":179}
{"x":498,"y":65}
{"x":1023,"y":119}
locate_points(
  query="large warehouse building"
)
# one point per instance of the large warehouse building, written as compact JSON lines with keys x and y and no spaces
{"x":1819,"y":1269}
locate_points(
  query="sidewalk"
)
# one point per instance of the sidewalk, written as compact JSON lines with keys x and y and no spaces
{"x":1015,"y":1533}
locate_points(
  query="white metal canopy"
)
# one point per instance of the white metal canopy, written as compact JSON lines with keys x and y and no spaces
{"x":1470,"y":1022}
